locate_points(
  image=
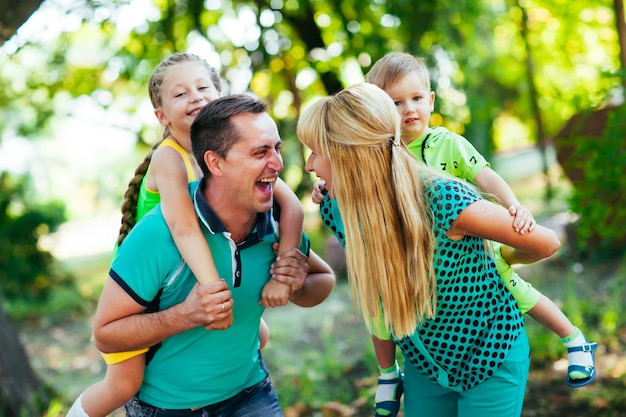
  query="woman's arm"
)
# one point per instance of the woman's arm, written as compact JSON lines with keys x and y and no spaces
{"x":170,"y":178}
{"x":491,"y":221}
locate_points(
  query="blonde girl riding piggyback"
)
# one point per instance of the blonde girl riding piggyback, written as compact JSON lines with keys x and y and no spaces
{"x":179,"y":87}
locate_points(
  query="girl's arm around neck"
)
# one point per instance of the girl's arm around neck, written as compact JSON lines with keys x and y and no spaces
{"x":291,"y":217}
{"x":170,"y":174}
{"x":276,"y":293}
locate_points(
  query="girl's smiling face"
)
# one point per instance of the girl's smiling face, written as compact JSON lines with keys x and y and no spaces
{"x":186,"y":88}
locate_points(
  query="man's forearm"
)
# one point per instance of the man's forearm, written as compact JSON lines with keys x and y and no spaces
{"x":316,"y":289}
{"x":140,"y":330}
{"x":318,"y":284}
{"x":120,"y":324}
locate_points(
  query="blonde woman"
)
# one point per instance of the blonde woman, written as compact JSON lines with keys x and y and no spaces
{"x":417,"y":260}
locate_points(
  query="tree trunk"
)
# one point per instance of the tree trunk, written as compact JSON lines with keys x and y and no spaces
{"x":534,"y":101}
{"x":18,"y":382}
{"x":12,"y":14}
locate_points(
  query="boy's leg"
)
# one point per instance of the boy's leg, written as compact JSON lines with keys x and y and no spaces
{"x":550,"y":316}
{"x":502,"y":395}
{"x":389,"y":391}
{"x":581,"y":367}
{"x":581,"y":370}
{"x":525,"y":295}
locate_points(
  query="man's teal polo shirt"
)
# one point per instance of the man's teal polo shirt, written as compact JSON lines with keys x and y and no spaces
{"x":199,"y":367}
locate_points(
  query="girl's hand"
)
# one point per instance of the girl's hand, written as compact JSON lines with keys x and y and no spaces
{"x":523,"y":220}
{"x":275,"y":294}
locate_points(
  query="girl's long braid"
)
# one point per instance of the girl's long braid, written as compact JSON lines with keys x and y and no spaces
{"x":129,"y":205}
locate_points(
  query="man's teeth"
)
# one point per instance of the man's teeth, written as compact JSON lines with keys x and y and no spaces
{"x":267,"y":180}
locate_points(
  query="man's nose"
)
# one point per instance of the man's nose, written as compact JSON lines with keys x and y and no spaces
{"x":276,"y":161}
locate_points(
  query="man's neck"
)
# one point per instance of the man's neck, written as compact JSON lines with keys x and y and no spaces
{"x":238,"y":223}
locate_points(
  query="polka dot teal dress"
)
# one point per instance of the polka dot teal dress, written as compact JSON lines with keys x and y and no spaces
{"x":477,"y":319}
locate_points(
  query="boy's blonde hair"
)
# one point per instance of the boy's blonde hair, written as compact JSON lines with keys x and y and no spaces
{"x":377,"y":182}
{"x":395,"y":65}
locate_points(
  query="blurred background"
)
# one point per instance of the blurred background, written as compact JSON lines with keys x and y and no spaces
{"x":535,"y":85}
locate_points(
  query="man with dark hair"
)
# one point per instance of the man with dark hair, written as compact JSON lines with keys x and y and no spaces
{"x":199,"y":363}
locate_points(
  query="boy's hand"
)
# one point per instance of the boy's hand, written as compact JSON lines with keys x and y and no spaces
{"x":275,"y":294}
{"x":318,"y":193}
{"x":523,"y":220}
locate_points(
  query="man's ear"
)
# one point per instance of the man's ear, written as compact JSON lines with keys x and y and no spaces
{"x":161,"y":117}
{"x":213,"y":162}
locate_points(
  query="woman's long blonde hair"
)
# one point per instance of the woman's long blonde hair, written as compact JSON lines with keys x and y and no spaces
{"x":388,"y":225}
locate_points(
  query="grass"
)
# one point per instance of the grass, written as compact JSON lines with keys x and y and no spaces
{"x":322,"y":362}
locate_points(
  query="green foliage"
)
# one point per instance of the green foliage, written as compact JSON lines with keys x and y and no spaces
{"x":296,"y":50}
{"x":320,"y":355}
{"x":324,"y":354}
{"x":598,"y":196}
{"x":27,"y":272}
{"x":591,"y":295}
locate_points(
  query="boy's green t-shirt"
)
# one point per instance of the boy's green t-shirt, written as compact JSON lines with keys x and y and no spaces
{"x":448,"y":152}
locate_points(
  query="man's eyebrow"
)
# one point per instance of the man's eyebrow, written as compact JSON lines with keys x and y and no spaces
{"x":266,"y":146}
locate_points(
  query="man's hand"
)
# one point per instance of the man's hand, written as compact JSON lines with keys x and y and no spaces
{"x":290,"y":268}
{"x":209,"y":305}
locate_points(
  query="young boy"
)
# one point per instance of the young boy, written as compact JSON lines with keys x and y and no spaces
{"x":406,"y":80}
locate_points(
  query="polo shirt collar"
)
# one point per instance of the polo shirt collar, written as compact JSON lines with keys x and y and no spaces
{"x":209,"y":219}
